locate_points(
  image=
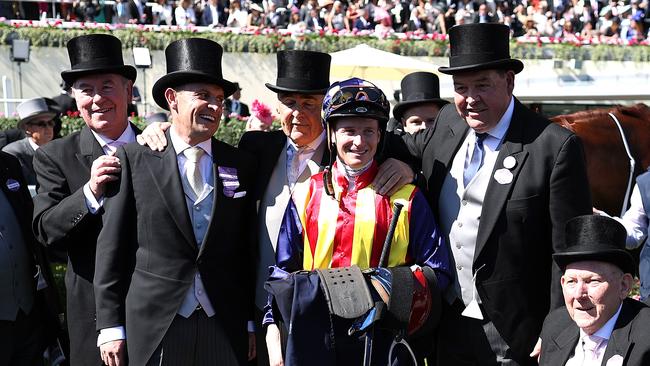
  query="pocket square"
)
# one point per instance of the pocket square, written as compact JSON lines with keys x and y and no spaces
{"x":616,"y":360}
{"x":239,"y":194}
{"x":230,"y":180}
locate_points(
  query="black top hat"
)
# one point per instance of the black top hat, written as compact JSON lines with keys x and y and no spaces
{"x":418,"y":87}
{"x":96,"y":54}
{"x":480,"y":46}
{"x":191,"y":60}
{"x":304,"y":72}
{"x":595,"y":238}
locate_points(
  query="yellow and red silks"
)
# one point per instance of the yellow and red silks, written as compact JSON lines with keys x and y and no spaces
{"x":321,"y":231}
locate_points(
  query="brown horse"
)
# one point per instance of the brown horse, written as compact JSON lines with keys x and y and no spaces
{"x":608,"y":165}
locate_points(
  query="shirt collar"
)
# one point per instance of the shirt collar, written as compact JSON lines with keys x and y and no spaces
{"x":180,"y":145}
{"x":126,"y":137}
{"x":606,"y":330}
{"x":499,"y":131}
{"x":32,"y":143}
{"x":310,"y":146}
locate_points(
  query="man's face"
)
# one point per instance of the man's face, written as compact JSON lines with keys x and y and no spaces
{"x":419,"y":116}
{"x":40,"y":129}
{"x":102,"y":101}
{"x":482,"y":97}
{"x":593,"y":292}
{"x":196,"y":110}
{"x":300,"y":116}
{"x":356,"y":140}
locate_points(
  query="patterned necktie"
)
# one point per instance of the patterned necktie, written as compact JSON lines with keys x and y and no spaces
{"x":591,"y":348}
{"x":477,"y":159}
{"x":194,"y":177}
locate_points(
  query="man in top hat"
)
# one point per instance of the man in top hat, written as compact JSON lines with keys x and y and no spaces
{"x":173,"y":254}
{"x":37,"y":119}
{"x":234,"y":107}
{"x":72,"y":173}
{"x":599,"y":325}
{"x":420,"y":102}
{"x":502,"y":182}
{"x":287,"y":159}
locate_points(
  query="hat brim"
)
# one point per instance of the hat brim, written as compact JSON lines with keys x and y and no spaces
{"x":280,"y":89}
{"x":49,"y":114}
{"x":128,"y":71}
{"x":620,"y":258}
{"x":399,"y":108}
{"x":508,"y":64}
{"x":178,"y":78}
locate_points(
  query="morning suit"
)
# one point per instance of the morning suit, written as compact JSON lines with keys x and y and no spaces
{"x":520,"y":223}
{"x":28,"y":318}
{"x":62,"y":221}
{"x":24,"y":152}
{"x":11,"y":135}
{"x":629,"y":338}
{"x":272,"y":195}
{"x":150,"y":256}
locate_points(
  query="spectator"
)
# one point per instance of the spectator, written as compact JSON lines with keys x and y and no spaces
{"x":295,"y":24}
{"x":419,"y":17}
{"x":314,"y":21}
{"x":233,"y":107}
{"x":214,"y":14}
{"x":237,"y":17}
{"x":163,"y":13}
{"x":483,"y":15}
{"x":255,"y":19}
{"x":336,"y":20}
{"x":276,"y":18}
{"x":363,"y":21}
{"x":614,"y":30}
{"x":37,"y":119}
{"x":420,"y":102}
{"x":184,"y":13}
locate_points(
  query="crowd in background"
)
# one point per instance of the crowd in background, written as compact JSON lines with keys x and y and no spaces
{"x":626,"y":20}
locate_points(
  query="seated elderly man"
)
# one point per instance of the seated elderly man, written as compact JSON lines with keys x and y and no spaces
{"x":600,"y":324}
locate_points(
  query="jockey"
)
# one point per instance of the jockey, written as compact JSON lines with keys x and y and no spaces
{"x":342,"y":222}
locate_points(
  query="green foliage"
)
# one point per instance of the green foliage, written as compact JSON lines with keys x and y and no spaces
{"x":259,"y":42}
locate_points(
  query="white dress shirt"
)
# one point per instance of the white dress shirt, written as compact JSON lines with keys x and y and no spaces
{"x":578,"y":358}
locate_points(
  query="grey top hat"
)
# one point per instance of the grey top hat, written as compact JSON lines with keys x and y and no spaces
{"x":32,"y":109}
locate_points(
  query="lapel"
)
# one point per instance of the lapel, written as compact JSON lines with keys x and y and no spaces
{"x":163,"y":167}
{"x":497,"y":194}
{"x":314,"y":164}
{"x":275,"y":199}
{"x":14,"y":197}
{"x":565,"y":343}
{"x":217,"y":215}
{"x":89,"y":148}
{"x":446,"y":146}
{"x":619,"y":342}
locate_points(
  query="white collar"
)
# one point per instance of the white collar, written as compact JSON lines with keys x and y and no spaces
{"x":606,"y":330}
{"x":126,"y":137}
{"x":310,"y":146}
{"x":32,"y":143}
{"x":180,"y":145}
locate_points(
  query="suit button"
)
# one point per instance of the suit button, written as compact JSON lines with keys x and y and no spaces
{"x":463,"y":202}
{"x":460,"y":224}
{"x":459,"y":267}
{"x":458,"y":245}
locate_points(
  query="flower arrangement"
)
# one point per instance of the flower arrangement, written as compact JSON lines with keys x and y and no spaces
{"x":57,"y":33}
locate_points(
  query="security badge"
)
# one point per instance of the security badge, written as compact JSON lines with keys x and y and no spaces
{"x":504,"y":175}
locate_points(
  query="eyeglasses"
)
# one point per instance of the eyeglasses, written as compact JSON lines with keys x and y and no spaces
{"x":41,"y":124}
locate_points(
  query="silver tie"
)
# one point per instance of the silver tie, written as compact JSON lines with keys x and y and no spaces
{"x":194,"y":177}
